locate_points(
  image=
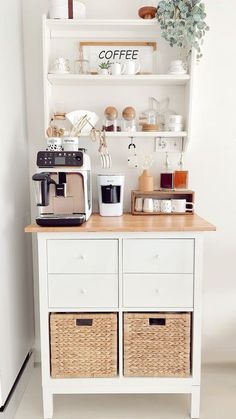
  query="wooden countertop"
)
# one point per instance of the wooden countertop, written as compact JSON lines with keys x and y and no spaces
{"x":132,"y":223}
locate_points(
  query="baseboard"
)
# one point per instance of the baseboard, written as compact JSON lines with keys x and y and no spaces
{"x":18,"y":391}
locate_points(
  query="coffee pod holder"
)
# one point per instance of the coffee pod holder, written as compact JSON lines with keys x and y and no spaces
{"x":160,"y":195}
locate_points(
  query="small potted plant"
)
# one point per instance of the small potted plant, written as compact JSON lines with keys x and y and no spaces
{"x":104,"y":68}
{"x":183,"y":24}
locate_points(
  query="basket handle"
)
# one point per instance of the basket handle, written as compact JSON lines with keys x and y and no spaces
{"x":157,"y":322}
{"x":84,"y":322}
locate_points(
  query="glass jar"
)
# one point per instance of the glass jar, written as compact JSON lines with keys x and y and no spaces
{"x":167,"y":176}
{"x":129,"y":120}
{"x":82,"y":66}
{"x":111,"y":122}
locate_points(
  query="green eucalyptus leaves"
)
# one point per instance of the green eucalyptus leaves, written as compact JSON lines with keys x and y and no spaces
{"x":183,"y":23}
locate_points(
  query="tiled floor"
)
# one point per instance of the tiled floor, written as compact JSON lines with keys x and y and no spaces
{"x":218,"y":401}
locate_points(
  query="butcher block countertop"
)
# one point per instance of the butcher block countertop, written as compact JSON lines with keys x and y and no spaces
{"x":132,"y":223}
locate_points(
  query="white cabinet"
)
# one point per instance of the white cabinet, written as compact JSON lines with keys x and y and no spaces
{"x":119,"y":273}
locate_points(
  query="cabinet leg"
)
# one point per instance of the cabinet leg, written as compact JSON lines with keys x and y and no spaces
{"x":47,"y":404}
{"x":195,"y":402}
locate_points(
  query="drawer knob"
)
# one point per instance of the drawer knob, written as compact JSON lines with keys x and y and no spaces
{"x":157,"y":290}
{"x":157,"y":256}
{"x":81,"y":257}
{"x":83,"y":291}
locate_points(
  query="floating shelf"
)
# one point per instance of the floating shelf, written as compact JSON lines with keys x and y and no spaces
{"x":144,"y":79}
{"x":143,"y":134}
{"x":102,"y":24}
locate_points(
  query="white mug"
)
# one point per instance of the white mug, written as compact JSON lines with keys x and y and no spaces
{"x":156,"y":205}
{"x":132,"y":67}
{"x":117,"y":69}
{"x":70,"y":143}
{"x":166,"y":206}
{"x":54,"y":143}
{"x":148,"y":205}
{"x":181,"y":206}
{"x":139,"y":204}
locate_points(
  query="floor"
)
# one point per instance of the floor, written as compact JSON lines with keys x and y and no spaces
{"x":218,"y":401}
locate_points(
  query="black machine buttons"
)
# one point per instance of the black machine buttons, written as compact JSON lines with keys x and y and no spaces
{"x":55,"y":158}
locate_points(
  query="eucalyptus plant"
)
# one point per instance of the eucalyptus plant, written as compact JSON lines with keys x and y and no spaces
{"x":183,"y":23}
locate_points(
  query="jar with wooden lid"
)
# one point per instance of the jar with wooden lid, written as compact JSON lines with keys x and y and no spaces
{"x":111,"y":121}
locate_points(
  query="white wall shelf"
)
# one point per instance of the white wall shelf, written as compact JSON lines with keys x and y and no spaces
{"x":147,"y":79}
{"x":142,"y":134}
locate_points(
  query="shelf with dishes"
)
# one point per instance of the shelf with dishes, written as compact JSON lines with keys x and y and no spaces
{"x":139,"y":79}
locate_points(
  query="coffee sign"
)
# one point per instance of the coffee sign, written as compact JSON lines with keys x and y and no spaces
{"x":119,"y":54}
{"x":100,"y":52}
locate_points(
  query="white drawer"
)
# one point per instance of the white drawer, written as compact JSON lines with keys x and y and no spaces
{"x":158,"y":290}
{"x":83,"y":256}
{"x":78,"y":291}
{"x":158,"y":256}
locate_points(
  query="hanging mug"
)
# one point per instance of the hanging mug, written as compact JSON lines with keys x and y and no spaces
{"x":132,"y":67}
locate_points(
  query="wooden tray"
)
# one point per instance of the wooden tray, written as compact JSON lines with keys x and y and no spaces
{"x":163,"y":194}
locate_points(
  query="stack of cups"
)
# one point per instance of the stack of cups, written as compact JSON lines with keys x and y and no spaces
{"x":175,"y":123}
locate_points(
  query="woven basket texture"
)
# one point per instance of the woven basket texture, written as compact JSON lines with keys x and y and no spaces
{"x":83,"y":345}
{"x":157,"y":344}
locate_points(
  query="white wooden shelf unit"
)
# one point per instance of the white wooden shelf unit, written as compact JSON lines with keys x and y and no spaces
{"x":120,"y":272}
{"x":60,"y":35}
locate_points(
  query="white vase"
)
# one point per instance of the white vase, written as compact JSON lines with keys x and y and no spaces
{"x":79,"y":10}
{"x":58,"y":9}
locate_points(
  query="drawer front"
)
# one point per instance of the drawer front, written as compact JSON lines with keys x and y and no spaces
{"x":83,"y":256}
{"x":78,"y":291}
{"x":158,"y":290}
{"x":158,"y":256}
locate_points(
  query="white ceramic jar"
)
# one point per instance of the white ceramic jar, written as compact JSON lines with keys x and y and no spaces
{"x":58,"y":9}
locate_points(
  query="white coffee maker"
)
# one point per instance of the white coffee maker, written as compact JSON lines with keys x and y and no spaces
{"x":111,"y":194}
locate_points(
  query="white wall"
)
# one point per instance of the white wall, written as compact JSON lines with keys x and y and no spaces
{"x":16,"y":307}
{"x":210,"y":156}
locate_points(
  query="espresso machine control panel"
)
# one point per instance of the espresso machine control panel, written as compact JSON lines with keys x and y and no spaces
{"x":60,"y":158}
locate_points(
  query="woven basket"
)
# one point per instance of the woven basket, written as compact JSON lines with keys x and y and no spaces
{"x":83,"y":345}
{"x":157,"y":344}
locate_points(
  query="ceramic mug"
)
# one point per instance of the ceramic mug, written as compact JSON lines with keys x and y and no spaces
{"x":132,"y":67}
{"x":54,"y":143}
{"x":117,"y":69}
{"x":181,"y":206}
{"x":166,"y":206}
{"x":148,"y":205}
{"x":139,"y":204}
{"x":156,"y":205}
{"x":70,"y":143}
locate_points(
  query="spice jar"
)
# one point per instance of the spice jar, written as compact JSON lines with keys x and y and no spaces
{"x":111,"y":122}
{"x":129,"y":119}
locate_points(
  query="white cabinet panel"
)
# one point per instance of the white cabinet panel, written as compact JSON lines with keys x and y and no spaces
{"x":158,"y":290}
{"x":77,"y":291}
{"x":82,"y":256}
{"x":158,"y":255}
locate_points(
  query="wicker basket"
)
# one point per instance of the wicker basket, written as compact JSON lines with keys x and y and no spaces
{"x":83,"y":345}
{"x":157,"y":344}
